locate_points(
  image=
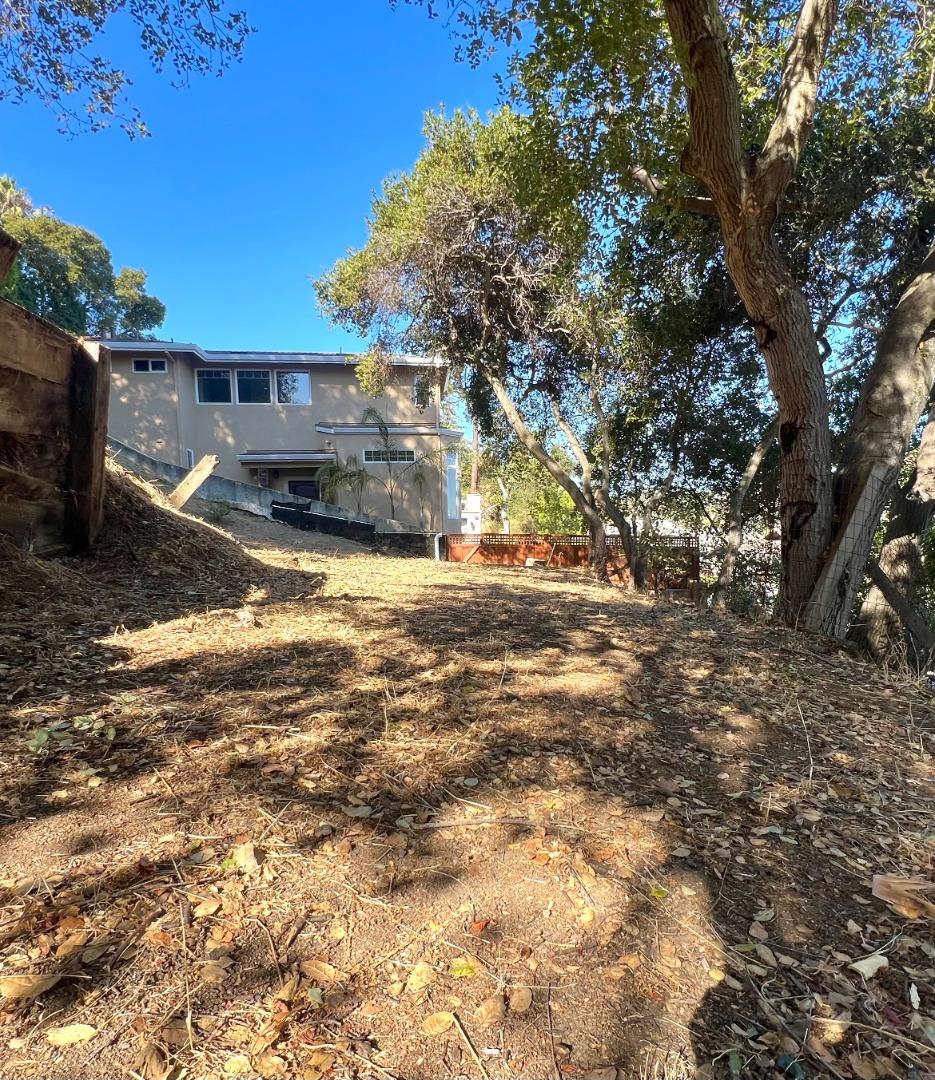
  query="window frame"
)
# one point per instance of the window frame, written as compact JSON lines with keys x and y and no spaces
{"x":292,"y":371}
{"x":386,"y":460}
{"x":269,"y":385}
{"x":214,"y":371}
{"x":136,"y":361}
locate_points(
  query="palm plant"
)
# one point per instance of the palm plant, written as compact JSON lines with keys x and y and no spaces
{"x":397,"y":472}
{"x":348,"y":475}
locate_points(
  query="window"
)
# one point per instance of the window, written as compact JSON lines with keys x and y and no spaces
{"x":293,"y":388}
{"x":253,"y":388}
{"x":214,"y":387}
{"x":453,"y":485}
{"x":190,"y":458}
{"x":142,"y":365}
{"x":392,"y":455}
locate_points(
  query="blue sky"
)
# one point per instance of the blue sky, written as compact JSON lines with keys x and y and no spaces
{"x":254,"y":183}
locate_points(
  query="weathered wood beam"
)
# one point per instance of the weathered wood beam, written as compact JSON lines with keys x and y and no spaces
{"x":193,"y":481}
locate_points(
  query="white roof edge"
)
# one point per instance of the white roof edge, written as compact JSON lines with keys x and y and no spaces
{"x":394,"y":429}
{"x":220,"y":356}
{"x":287,"y":455}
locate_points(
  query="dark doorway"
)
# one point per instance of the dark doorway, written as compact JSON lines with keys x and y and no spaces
{"x":306,"y":489}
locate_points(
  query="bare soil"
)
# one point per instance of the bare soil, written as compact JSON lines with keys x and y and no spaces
{"x":272,"y":810}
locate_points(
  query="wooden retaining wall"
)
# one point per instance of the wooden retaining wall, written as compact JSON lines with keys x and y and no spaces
{"x":53,"y":425}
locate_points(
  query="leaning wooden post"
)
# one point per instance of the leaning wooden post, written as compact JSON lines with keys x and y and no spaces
{"x":193,"y":481}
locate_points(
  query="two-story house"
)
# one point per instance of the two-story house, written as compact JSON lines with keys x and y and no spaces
{"x":283,"y":419}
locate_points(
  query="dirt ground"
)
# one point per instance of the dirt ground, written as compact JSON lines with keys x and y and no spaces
{"x":272,"y":810}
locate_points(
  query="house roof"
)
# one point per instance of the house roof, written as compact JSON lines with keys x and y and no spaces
{"x":216,"y":356}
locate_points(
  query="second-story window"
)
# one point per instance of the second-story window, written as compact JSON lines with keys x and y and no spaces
{"x":253,"y":388}
{"x":146,"y":364}
{"x":214,"y":387}
{"x":293,"y":388}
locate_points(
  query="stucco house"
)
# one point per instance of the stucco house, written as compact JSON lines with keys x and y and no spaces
{"x":278,"y":419}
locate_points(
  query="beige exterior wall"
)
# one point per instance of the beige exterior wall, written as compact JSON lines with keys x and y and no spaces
{"x":144,"y":410}
{"x":158,"y":413}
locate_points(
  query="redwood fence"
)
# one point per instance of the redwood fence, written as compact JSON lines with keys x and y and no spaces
{"x":673,"y":560}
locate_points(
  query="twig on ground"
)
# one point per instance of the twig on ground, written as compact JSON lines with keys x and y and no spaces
{"x":808,"y":744}
{"x":272,"y":947}
{"x":548,"y":1008}
{"x":470,"y":1047}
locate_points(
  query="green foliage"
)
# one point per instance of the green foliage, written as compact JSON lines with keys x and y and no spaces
{"x":348,"y":475}
{"x":217,"y":510}
{"x":61,"y":735}
{"x":392,"y":476}
{"x":426,"y":281}
{"x":64,"y":273}
{"x":373,"y":372}
{"x":46,"y":53}
{"x":138,"y":311}
{"x":515,"y":487}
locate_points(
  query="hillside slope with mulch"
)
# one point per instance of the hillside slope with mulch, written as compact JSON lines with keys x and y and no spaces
{"x":282,"y":814}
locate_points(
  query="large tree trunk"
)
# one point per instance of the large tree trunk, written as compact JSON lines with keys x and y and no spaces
{"x":735,"y":516}
{"x":607,"y":505}
{"x":583,"y":502}
{"x":746,"y":192}
{"x":786,"y":336}
{"x":599,"y":497}
{"x":878,"y":627}
{"x":889,"y":409}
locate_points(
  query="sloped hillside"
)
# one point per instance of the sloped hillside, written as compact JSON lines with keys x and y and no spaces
{"x":282,"y":814}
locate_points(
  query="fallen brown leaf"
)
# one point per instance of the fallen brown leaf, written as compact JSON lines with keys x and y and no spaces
{"x":438,"y":1023}
{"x":73,"y":1033}
{"x":490,"y":1011}
{"x":26,"y":987}
{"x":904,"y":895}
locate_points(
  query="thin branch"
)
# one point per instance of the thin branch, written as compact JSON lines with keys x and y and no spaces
{"x":693,"y":204}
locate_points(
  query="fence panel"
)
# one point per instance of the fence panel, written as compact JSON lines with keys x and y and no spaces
{"x":673,"y":560}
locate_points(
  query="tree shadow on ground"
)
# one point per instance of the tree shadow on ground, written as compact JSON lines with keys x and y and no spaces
{"x":650,"y":790}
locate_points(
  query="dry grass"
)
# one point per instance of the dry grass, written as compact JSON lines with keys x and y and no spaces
{"x":456,"y":782}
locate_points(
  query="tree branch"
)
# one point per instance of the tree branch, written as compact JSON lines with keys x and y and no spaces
{"x":692,"y":204}
{"x":915,"y":625}
{"x":798,"y":92}
{"x":714,"y":154}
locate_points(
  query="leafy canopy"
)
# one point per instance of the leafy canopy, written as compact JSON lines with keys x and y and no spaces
{"x":65,"y":274}
{"x":47,"y":52}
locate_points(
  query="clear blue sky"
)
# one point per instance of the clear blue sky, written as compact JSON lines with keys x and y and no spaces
{"x":254,"y":183}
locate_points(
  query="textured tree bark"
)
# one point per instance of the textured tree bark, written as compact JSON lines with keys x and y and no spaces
{"x":735,"y":516}
{"x":891,"y":403}
{"x":607,"y":505}
{"x":879,"y":628}
{"x":787,"y":339}
{"x":584,"y":504}
{"x":921,"y":633}
{"x":746,"y":191}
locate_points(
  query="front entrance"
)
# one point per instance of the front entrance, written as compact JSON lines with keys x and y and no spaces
{"x":305,"y":489}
